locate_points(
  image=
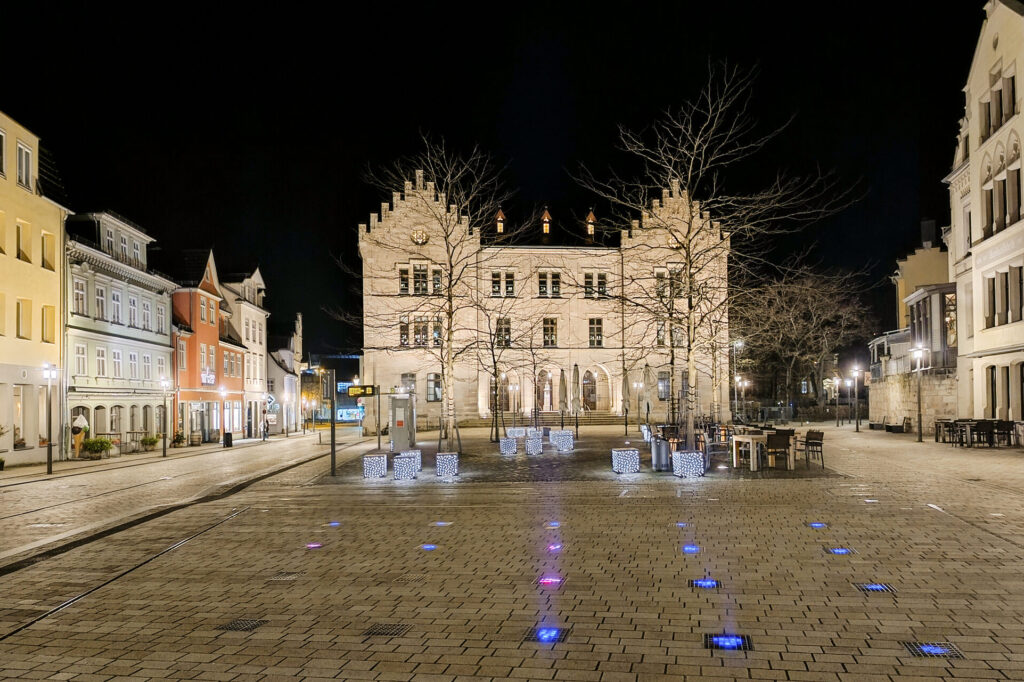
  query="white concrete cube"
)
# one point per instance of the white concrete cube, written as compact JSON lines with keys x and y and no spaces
{"x":375,"y":466}
{"x":535,"y":445}
{"x":688,"y":464}
{"x":447,"y":464}
{"x":625,"y":460}
{"x":405,"y":467}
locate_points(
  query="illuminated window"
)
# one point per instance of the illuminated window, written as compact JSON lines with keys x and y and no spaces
{"x":182,"y":363}
{"x":437,"y":331}
{"x":433,"y":388}
{"x":503,"y":332}
{"x":420,"y":331}
{"x":550,"y":332}
{"x":596,"y":332}
{"x":80,"y":306}
{"x":403,"y":281}
{"x":436,"y":277}
{"x":24,"y":166}
{"x":403,"y":331}
{"x":419,"y":280}
{"x":663,"y":385}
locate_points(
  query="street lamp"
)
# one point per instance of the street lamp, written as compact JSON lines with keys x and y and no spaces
{"x":165,"y":384}
{"x":856,"y":398}
{"x":50,"y":373}
{"x":849,"y":397}
{"x":919,"y":356}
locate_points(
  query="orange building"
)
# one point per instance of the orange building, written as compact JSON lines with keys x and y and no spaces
{"x":208,"y":356}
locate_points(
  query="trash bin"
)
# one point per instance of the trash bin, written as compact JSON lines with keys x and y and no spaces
{"x":227,"y":439}
{"x":661,"y":455}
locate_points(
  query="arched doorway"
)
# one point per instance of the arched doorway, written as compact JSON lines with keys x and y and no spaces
{"x":99,"y":420}
{"x":499,"y":401}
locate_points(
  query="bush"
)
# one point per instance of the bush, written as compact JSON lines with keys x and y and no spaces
{"x":149,"y":442}
{"x":96,"y":445}
{"x":179,"y":438}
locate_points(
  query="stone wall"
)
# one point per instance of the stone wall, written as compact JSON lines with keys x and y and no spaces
{"x":896,"y":397}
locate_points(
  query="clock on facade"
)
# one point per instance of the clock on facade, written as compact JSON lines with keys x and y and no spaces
{"x":420,"y":237}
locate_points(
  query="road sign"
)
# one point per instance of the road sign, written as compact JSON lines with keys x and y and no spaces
{"x":360,"y":391}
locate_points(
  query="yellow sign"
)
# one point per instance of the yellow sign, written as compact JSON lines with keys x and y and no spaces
{"x":360,"y":391}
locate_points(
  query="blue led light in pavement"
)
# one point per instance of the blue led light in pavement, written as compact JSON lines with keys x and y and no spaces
{"x":550,"y":581}
{"x":690,"y":549}
{"x":554,"y":524}
{"x":548,"y":634}
{"x":876,"y":587}
{"x":817,"y":524}
{"x":334,"y":524}
{"x":727,"y":641}
{"x":442,"y":523}
{"x":706,"y":583}
{"x":314,"y":545}
{"x":838,"y":550}
{"x":428,"y":548}
{"x":934,"y":649}
{"x":682,"y":524}
{"x":555,"y":547}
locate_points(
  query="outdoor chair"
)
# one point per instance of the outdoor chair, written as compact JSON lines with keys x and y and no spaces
{"x":813,"y":447}
{"x":983,"y":432}
{"x":778,"y":443}
{"x":1004,"y":431}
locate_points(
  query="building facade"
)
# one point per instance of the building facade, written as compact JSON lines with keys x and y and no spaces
{"x":248,"y":319}
{"x":118,"y":330}
{"x":31,"y":311}
{"x":528,"y":318}
{"x":283,"y":370}
{"x":208,"y":358}
{"x":986,"y":234}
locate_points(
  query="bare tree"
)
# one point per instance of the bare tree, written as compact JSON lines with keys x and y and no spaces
{"x":442,"y":201}
{"x":796,"y":321}
{"x":692,"y":224}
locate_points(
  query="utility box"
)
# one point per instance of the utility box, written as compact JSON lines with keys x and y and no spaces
{"x":403,"y":421}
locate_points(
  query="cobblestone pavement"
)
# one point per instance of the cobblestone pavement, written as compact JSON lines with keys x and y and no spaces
{"x":315,"y":563}
{"x":37,"y":511}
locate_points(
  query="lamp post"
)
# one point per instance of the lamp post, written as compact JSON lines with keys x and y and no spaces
{"x":224,"y":432}
{"x":856,"y":398}
{"x":515,"y":402}
{"x":849,"y":397}
{"x":738,"y":343}
{"x":743,"y":395}
{"x":165,"y":384}
{"x":50,"y":373}
{"x":919,"y":356}
{"x":312,"y":411}
{"x":835,"y":385}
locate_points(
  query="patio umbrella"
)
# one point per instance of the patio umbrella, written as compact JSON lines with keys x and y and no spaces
{"x":563,"y":400}
{"x":650,"y":384}
{"x":625,"y":402}
{"x":575,"y":388}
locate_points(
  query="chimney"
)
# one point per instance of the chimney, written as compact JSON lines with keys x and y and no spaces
{"x":927,"y":233}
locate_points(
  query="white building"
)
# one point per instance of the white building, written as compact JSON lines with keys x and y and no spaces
{"x":244,"y":300}
{"x":528,"y":315}
{"x":283,"y":369}
{"x":986,"y":237}
{"x":118,"y":329}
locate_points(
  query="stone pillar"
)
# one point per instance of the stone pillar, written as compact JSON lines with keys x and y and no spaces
{"x":1016,"y":390}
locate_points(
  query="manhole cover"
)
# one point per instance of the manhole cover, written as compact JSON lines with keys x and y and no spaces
{"x":243,"y":624}
{"x":285,"y":575}
{"x":875,"y":587}
{"x":728,"y":642}
{"x":545,"y":635}
{"x":387,"y":630}
{"x":410,"y":578}
{"x":933,"y":649}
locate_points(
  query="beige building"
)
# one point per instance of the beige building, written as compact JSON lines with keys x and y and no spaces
{"x":31,"y":288}
{"x":928,"y":264}
{"x":986,"y":235}
{"x":243,"y":298}
{"x":529,"y":316}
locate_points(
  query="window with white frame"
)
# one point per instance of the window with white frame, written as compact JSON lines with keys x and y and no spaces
{"x":549,"y":284}
{"x":202,"y":357}
{"x":136,"y":253}
{"x":24,"y":166}
{"x":161,"y":367}
{"x":115,"y":306}
{"x":147,"y":315}
{"x":161,"y":318}
{"x":550,"y":332}
{"x":147,"y":366}
{"x":81,"y":362}
{"x":182,"y":361}
{"x":110,"y":241}
{"x":202,"y":309}
{"x":81,"y":307}
{"x":115,"y":361}
{"x":663,"y":386}
{"x":247,"y":330}
{"x":101,"y":302}
{"x":133,"y":312}
{"x":596,"y":327}
{"x":101,"y":362}
{"x":259,"y":338}
{"x":3,"y":152}
{"x":433,"y":388}
{"x":124,"y":248}
{"x":212,"y":311}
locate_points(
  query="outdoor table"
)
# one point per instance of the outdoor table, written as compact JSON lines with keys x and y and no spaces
{"x":753,"y":440}
{"x":942,"y":427}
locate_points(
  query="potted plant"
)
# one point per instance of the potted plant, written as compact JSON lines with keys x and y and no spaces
{"x":179,"y":439}
{"x":149,"y":443}
{"x":95,"y":447}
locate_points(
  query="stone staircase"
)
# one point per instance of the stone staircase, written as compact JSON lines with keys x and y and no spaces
{"x":553,"y":419}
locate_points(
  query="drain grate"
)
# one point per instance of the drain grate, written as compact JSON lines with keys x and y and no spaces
{"x":728,"y":642}
{"x":410,"y":578}
{"x":243,"y":624}
{"x":285,"y":575}
{"x":545,"y":635}
{"x":387,"y":630}
{"x":933,"y":649}
{"x":875,"y":587}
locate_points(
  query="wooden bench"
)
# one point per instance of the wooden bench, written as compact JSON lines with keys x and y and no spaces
{"x":879,"y":426}
{"x":904,"y":427}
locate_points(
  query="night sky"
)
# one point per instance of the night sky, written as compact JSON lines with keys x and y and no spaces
{"x":250,"y":132}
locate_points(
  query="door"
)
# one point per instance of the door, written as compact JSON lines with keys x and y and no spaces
{"x":589,"y":391}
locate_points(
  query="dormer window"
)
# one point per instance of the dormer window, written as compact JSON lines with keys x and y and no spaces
{"x":547,"y":227}
{"x":591,"y":221}
{"x":501,"y":222}
{"x":546,"y":222}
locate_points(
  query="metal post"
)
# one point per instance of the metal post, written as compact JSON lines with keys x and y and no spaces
{"x":377,"y":391}
{"x":49,"y":421}
{"x":333,"y":388}
{"x":836,"y":383}
{"x":920,"y":356}
{"x":165,"y":420}
{"x":856,"y":397}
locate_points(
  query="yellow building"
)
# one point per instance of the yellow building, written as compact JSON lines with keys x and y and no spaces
{"x":31,"y":310}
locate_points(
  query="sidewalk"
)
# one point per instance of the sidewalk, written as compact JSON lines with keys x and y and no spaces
{"x":29,"y":472}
